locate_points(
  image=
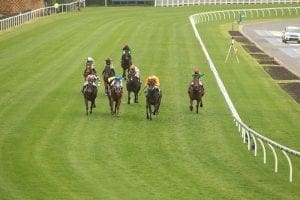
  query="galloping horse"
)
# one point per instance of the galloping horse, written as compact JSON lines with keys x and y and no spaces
{"x":90,"y":93}
{"x":153,"y":99}
{"x":107,"y":73}
{"x":115,"y":97}
{"x":126,"y":61}
{"x":133,"y":85}
{"x":196,"y":92}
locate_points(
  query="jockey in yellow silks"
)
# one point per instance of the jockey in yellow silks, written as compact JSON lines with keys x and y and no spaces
{"x":152,"y":81}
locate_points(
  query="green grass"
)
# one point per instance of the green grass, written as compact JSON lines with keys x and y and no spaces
{"x":49,"y":148}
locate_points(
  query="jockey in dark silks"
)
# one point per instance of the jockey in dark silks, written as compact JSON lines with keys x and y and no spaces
{"x":108,"y":72}
{"x":108,"y":67}
{"x":126,"y":48}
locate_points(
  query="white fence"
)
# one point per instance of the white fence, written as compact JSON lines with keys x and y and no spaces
{"x":249,"y":135}
{"x":212,"y":2}
{"x":22,"y":18}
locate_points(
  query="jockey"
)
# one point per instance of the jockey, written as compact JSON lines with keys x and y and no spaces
{"x":89,"y":71}
{"x":135,"y":70}
{"x":107,"y":72}
{"x":152,"y":82}
{"x":126,"y":48}
{"x":196,"y":76}
{"x":108,"y":66}
{"x":90,"y":61}
{"x":112,"y":80}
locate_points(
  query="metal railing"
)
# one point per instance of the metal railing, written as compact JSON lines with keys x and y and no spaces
{"x":247,"y":133}
{"x":22,"y":18}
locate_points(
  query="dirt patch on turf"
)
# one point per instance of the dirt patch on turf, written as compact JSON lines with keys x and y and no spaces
{"x":292,"y":89}
{"x":267,"y":62}
{"x":270,"y":65}
{"x":252,"y":49}
{"x":280,"y":73}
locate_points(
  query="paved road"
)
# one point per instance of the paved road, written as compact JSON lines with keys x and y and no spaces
{"x":267,"y":36}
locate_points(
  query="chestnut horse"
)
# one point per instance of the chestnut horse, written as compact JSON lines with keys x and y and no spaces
{"x":115,"y":97}
{"x":196,"y":92}
{"x":90,"y":93}
{"x":153,"y":99}
{"x":133,"y":84}
{"x":126,"y":61}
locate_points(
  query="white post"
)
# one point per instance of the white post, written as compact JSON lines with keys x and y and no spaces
{"x":275,"y":158}
{"x":290,"y":164}
{"x":264,"y":149}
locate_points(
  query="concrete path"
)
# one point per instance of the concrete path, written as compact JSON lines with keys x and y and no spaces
{"x":267,"y":36}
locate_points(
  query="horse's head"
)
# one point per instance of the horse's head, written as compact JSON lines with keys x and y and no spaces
{"x":117,"y":87}
{"x":126,"y":60}
{"x":91,"y":78}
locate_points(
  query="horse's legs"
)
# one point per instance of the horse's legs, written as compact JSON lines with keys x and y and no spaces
{"x":136,"y":97}
{"x":147,"y":111}
{"x":117,"y":108}
{"x":86,"y":106}
{"x":128,"y":102}
{"x":106,"y":88}
{"x":124,"y":73}
{"x":191,"y":105}
{"x":111,"y":104}
{"x":92,"y":105}
{"x":150,"y":111}
{"x":197,"y":106}
{"x":201,"y":104}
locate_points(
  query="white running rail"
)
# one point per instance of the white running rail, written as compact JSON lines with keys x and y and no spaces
{"x":247,"y":133}
{"x":167,"y":3}
{"x":22,"y":18}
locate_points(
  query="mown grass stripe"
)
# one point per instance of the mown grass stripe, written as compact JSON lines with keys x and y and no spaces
{"x":51,"y":150}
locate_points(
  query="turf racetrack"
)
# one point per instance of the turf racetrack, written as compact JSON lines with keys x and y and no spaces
{"x":49,"y":148}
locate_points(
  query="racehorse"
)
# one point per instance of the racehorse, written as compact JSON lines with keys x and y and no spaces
{"x":133,"y":84}
{"x":126,"y":61}
{"x":196,"y":92}
{"x":90,"y":93}
{"x":107,"y":73}
{"x":115,"y":97}
{"x":153,"y":99}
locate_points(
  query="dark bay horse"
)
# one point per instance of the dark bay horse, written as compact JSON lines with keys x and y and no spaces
{"x":153,"y":99}
{"x":133,"y":84}
{"x":90,"y":93}
{"x":107,"y":73}
{"x":126,"y":61}
{"x":196,"y":92}
{"x":115,"y":97}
